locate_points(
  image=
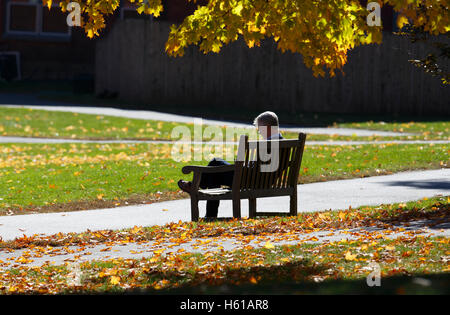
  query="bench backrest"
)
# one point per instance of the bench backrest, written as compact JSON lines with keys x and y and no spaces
{"x":252,"y":164}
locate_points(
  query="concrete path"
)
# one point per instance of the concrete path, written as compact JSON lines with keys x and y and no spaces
{"x":340,"y":194}
{"x":5,"y":139}
{"x":153,"y":115}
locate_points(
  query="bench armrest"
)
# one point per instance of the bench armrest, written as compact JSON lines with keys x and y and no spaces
{"x":199,"y":170}
{"x":207,"y":169}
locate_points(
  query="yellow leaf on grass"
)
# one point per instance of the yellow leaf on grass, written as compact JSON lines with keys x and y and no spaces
{"x":12,"y":289}
{"x":269,"y":245}
{"x":349,"y":256}
{"x":153,"y":259}
{"x":136,"y":229}
{"x":114,"y":280}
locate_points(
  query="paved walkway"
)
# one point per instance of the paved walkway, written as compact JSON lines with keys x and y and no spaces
{"x":5,"y":139}
{"x":340,"y":194}
{"x":153,"y":115}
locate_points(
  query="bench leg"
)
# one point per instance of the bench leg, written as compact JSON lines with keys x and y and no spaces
{"x":252,"y":207}
{"x":194,"y":209}
{"x":293,"y":204}
{"x":237,"y":208}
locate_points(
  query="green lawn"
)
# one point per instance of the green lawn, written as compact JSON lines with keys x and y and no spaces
{"x":63,"y":177}
{"x":423,"y":129}
{"x":54,"y":124}
{"x":26,"y":122}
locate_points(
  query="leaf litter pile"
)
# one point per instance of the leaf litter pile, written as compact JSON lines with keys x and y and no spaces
{"x":265,"y":250}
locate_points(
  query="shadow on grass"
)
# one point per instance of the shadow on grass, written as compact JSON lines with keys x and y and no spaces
{"x":214,"y":280}
{"x":417,"y":284}
{"x":435,"y":216}
{"x":56,"y":91}
{"x":233,"y":277}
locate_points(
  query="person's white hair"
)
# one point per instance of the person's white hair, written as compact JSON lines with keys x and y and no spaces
{"x":269,"y":119}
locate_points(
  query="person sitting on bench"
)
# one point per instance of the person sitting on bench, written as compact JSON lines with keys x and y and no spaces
{"x":268,"y":128}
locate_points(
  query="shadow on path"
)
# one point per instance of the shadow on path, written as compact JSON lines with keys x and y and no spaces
{"x":439,"y":183}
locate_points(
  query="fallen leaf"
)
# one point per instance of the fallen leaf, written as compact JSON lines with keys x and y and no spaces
{"x":349,"y":256}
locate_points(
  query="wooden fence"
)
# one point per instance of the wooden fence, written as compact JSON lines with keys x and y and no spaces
{"x":131,"y":61}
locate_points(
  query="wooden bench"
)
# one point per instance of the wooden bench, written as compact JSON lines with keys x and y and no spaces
{"x":249,"y":181}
